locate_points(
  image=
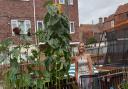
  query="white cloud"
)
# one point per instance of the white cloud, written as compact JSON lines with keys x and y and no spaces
{"x":93,"y":9}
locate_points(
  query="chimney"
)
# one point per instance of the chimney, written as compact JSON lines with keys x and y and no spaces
{"x":100,"y":20}
{"x":105,"y":19}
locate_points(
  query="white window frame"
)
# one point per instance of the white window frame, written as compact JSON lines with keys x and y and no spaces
{"x":73,"y":27}
{"x":12,"y":27}
{"x":61,"y":2}
{"x":38,"y":22}
{"x":16,"y":22}
{"x":70,"y":2}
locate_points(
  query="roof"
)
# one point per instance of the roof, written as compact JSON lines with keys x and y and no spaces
{"x":89,"y":28}
{"x":118,"y":26}
{"x":122,"y":9}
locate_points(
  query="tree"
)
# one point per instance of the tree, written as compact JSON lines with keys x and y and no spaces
{"x":91,"y":40}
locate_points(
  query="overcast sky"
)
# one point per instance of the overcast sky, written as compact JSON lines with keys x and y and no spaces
{"x":91,"y":10}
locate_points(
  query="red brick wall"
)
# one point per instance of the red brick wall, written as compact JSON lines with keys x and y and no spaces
{"x":74,"y":16}
{"x":23,"y":10}
{"x":107,"y":25}
{"x":121,"y":18}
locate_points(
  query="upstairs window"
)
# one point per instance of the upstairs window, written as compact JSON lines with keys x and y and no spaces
{"x":61,"y":1}
{"x":72,"y":27}
{"x":24,"y":25}
{"x":70,"y":2}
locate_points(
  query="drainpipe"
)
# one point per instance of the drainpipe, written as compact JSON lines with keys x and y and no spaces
{"x":34,"y":17}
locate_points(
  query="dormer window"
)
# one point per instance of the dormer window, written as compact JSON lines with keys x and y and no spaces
{"x":112,"y":23}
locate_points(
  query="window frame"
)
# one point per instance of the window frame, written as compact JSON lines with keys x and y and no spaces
{"x":72,"y":22}
{"x":70,"y":2}
{"x":37,"y":27}
{"x":61,"y":2}
{"x":112,"y":23}
{"x":17,"y":21}
{"x":12,"y":27}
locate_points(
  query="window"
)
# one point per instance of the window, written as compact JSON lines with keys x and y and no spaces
{"x":112,"y":23}
{"x":24,"y":25}
{"x":72,"y":28}
{"x":61,"y":1}
{"x":14,"y":23}
{"x":70,"y":2}
{"x":40,"y":25}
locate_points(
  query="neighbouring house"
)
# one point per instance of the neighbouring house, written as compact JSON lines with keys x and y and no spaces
{"x":28,"y":14}
{"x":117,"y":36}
{"x":88,"y":31}
{"x":118,"y":19}
{"x":113,"y":36}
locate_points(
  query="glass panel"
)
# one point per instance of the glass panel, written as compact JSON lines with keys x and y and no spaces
{"x":61,"y":1}
{"x":40,"y":25}
{"x":72,"y":30}
{"x":22,"y":27}
{"x":28,"y":26}
{"x":14,"y":23}
{"x":70,"y":2}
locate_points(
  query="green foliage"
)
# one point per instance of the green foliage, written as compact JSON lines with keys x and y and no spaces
{"x":5,"y":44}
{"x":124,"y":85}
{"x":91,"y":40}
{"x":4,"y":49}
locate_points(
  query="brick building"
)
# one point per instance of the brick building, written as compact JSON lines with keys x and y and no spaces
{"x":116,"y":29}
{"x":29,"y":14}
{"x":91,"y":30}
{"x":113,"y":36}
{"x":118,"y":19}
{"x":88,"y":31}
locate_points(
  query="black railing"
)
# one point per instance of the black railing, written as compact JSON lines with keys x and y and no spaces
{"x":110,"y":79}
